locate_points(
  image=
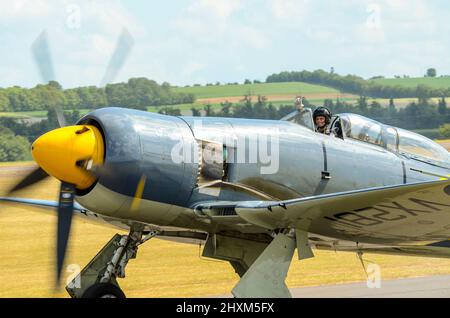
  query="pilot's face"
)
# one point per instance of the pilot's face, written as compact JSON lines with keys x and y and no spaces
{"x":320,"y":121}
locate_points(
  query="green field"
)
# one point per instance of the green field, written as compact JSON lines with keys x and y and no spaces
{"x":186,"y":109}
{"x":278,"y":94}
{"x":35,"y":114}
{"x":433,"y":82}
{"x":254,"y":89}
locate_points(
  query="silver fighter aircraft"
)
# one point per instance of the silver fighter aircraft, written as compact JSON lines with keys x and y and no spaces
{"x":252,"y":190}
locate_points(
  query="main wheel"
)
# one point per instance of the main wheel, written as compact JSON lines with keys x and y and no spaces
{"x":103,"y":290}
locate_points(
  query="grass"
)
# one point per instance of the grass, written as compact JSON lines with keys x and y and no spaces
{"x":279,"y":94}
{"x":254,"y":89}
{"x":433,"y":82}
{"x":17,"y":163}
{"x":162,"y":268}
{"x":186,"y":108}
{"x":36,"y":114}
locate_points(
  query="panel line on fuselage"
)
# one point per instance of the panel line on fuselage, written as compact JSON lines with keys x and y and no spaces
{"x":323,"y":182}
{"x":325,"y":159}
{"x":404,"y":172}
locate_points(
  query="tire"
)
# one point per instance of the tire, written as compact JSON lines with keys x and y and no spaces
{"x":103,"y":290}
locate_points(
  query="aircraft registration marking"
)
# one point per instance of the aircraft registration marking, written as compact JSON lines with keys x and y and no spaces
{"x":388,"y":212}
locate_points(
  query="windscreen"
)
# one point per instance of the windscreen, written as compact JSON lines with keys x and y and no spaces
{"x":417,"y":145}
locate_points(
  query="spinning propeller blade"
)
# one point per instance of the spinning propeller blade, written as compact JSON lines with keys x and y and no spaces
{"x":65,"y":213}
{"x":44,"y":62}
{"x":118,"y":58}
{"x":34,"y":177}
{"x":46,"y":146}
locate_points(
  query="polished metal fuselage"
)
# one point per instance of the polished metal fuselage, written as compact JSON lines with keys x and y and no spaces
{"x":291,"y":161}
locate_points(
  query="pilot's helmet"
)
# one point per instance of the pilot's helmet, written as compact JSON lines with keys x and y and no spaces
{"x":322,"y":111}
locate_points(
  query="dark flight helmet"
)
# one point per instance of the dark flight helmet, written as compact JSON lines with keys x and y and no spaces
{"x":322,"y":111}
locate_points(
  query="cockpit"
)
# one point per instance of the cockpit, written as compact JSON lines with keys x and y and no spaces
{"x":396,"y":140}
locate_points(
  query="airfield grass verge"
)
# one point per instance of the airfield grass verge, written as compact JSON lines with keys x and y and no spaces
{"x":254,"y":89}
{"x":411,"y":82}
{"x":17,"y":163}
{"x":37,"y":113}
{"x":162,"y":268}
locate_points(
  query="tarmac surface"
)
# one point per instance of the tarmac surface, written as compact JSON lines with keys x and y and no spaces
{"x":421,"y":287}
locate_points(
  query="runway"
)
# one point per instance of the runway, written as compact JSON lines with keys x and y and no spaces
{"x":421,"y":287}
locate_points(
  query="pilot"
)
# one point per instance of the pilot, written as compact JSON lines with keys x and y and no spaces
{"x":322,"y":119}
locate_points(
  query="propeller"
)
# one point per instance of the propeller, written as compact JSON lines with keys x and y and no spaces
{"x":65,"y":212}
{"x":38,"y":174}
{"x":123,"y":48}
{"x":40,"y":50}
{"x":43,"y":59}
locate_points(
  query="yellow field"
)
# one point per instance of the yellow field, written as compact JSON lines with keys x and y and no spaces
{"x":445,"y":143}
{"x":17,"y":163}
{"x":162,"y":269}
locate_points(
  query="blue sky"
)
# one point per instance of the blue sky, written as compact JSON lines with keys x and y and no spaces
{"x":199,"y":41}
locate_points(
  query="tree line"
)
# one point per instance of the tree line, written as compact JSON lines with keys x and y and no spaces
{"x":358,"y":85}
{"x":16,"y":136}
{"x":421,"y":114}
{"x":136,"y":93}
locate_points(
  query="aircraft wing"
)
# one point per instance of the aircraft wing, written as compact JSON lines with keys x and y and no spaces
{"x":416,"y":250}
{"x":165,"y":232}
{"x":51,"y":206}
{"x":413,"y":212}
{"x":45,"y":204}
{"x":436,"y":249}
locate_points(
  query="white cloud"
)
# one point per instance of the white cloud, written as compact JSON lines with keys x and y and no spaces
{"x":293,"y":11}
{"x":81,"y":51}
{"x":211,"y":22}
{"x":190,"y":69}
{"x":24,"y":9}
{"x":251,"y":37}
{"x":110,"y":17}
{"x":368,"y":35}
{"x":225,"y":40}
{"x":207,"y":20}
{"x":221,"y":9}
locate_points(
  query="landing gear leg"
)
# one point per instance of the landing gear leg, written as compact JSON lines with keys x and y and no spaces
{"x":261,"y":262}
{"x":98,"y":278}
{"x":266,"y":276}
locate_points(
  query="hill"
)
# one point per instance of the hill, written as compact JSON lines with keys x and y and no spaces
{"x":266,"y":89}
{"x":412,"y":82}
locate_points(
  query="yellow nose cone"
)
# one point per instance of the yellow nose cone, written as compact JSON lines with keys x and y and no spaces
{"x":63,"y":153}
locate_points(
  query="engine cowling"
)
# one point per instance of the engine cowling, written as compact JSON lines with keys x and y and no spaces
{"x":152,"y":155}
